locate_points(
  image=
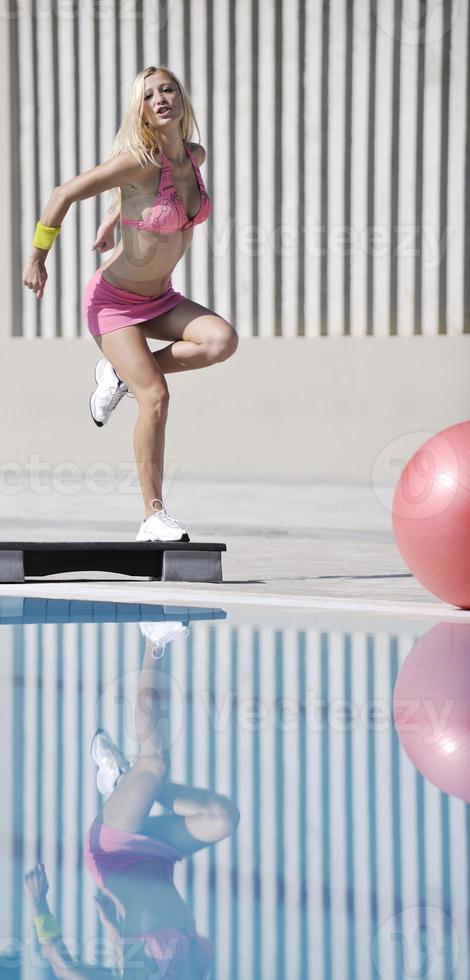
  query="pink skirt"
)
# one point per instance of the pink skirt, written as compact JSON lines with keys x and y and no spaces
{"x":106,"y":308}
{"x":109,"y":851}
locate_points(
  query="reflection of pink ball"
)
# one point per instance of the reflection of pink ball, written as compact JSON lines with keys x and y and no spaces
{"x":431,"y":707}
{"x":431,"y":514}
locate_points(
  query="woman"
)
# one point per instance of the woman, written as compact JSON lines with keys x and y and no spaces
{"x":160,"y":195}
{"x":131,"y":854}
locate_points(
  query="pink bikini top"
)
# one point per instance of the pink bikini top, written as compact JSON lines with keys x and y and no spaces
{"x":167,"y":213}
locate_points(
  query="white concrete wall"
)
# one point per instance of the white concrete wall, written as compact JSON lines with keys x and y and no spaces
{"x":278,"y":409}
{"x":303,"y":408}
{"x":336,"y":156}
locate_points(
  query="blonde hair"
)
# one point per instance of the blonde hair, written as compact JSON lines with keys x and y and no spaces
{"x":137,"y":136}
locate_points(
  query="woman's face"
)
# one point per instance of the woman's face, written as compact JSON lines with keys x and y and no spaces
{"x":163,"y":105}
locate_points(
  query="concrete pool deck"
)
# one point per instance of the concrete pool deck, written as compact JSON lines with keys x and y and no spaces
{"x":306,"y":545}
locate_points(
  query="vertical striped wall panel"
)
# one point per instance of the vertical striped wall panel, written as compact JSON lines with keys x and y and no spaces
{"x":340,"y":841}
{"x":338,"y":156}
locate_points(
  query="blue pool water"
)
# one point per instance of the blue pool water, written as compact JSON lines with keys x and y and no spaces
{"x":351,"y":858}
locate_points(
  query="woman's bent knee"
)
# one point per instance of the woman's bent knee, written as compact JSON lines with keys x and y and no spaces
{"x":224,"y":344}
{"x":153,"y":764}
{"x":154,"y":400}
{"x":224,"y":818}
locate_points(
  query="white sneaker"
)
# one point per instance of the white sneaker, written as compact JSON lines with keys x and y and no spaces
{"x":161,"y":527}
{"x":108,"y":394}
{"x":112,"y":764}
{"x":162,"y":633}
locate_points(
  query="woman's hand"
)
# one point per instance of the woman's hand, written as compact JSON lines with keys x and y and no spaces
{"x":37,"y":887}
{"x":35,"y":276}
{"x":105,"y":235}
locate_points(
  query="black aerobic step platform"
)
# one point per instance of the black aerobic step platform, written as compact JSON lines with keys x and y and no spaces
{"x":168,"y":561}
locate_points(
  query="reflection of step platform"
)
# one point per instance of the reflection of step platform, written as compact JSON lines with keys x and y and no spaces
{"x":169,"y":561}
{"x":19,"y":610}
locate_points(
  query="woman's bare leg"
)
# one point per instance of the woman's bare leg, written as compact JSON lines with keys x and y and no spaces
{"x":129,"y":805}
{"x":130,"y":355}
{"x":199,"y":337}
{"x":201,"y":817}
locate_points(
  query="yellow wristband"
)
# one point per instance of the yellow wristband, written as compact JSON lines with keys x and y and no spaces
{"x":45,"y":236}
{"x":46,"y":927}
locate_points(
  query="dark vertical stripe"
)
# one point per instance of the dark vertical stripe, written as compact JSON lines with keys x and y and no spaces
{"x":421,"y":855}
{"x":168,"y":661}
{"x":446,"y":885}
{"x":75,"y":214}
{"x":324,"y":214}
{"x":325,"y":807}
{"x":37,"y":111}
{"x":139,"y":34}
{"x":80,"y":804}
{"x":57,"y":165}
{"x":99,"y":675}
{"x":188,"y":82}
{"x":18,"y":247}
{"x":278,"y":167}
{"x":212,"y":785}
{"x":255,"y":160}
{"x":372,"y":804}
{"x":97,"y":133}
{"x":39,"y":741}
{"x":232,"y":113}
{"x":234,"y":875}
{"x":418,"y":311}
{"x":301,"y":216}
{"x":348,"y":99}
{"x":396,"y":826}
{"x":395,"y":167}
{"x":99,"y":724}
{"x":278,"y":764}
{"x":349,"y":814}
{"x":60,"y":760}
{"x":120,"y":669}
{"x":191,"y":748}
{"x":257,"y":931}
{"x":210,"y":143}
{"x":303,"y":835}
{"x":17,"y":741}
{"x":444,"y":168}
{"x":371,"y":168}
{"x":117,"y":65}
{"x":163,"y":32}
{"x":466,"y":263}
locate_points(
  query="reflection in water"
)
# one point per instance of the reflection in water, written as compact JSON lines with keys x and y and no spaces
{"x":346,"y":864}
{"x":432,"y":707}
{"x":131,"y":854}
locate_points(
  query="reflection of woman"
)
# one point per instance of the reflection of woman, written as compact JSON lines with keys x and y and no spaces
{"x":131,"y":854}
{"x":154,"y":170}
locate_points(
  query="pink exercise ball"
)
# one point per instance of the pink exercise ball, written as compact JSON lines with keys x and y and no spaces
{"x":431,"y":707}
{"x":431,"y":514}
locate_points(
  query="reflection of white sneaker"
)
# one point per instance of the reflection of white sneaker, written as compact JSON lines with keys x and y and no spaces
{"x":162,"y":633}
{"x":112,"y":764}
{"x":108,"y":394}
{"x":159,"y":526}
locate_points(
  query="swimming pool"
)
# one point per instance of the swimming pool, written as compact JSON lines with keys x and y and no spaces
{"x":347,"y":861}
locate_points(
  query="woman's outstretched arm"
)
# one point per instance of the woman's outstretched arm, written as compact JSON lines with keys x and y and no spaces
{"x":50,"y":935}
{"x":118,"y":170}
